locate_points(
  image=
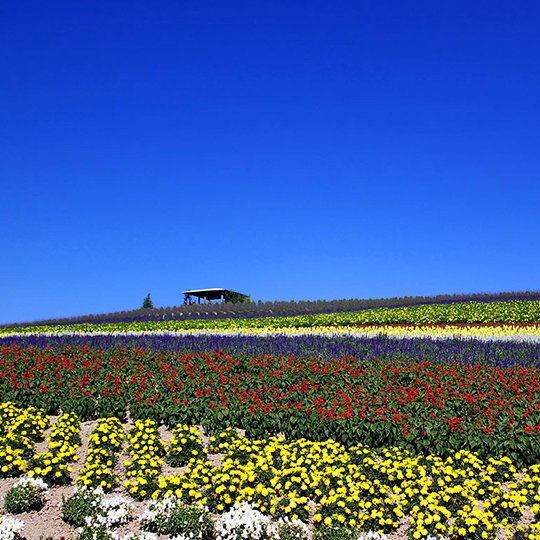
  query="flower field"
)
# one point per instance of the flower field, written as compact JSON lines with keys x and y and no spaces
{"x":509,"y":312}
{"x":279,"y":309}
{"x":410,"y":422}
{"x":132,"y":482}
{"x":416,"y":405}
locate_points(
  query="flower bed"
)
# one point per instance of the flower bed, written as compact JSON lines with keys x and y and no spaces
{"x":497,"y":353}
{"x":517,"y":311}
{"x":421,"y":406}
{"x":53,"y":465}
{"x":104,"y":443}
{"x":146,"y":450}
{"x":291,"y":488}
{"x":346,"y":436}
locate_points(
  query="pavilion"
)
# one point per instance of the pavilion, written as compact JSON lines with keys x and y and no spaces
{"x":207,"y":295}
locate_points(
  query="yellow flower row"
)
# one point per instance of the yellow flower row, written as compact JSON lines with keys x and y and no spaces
{"x":458,"y":497}
{"x":52,"y":466}
{"x":29,"y":422}
{"x":103,"y":444}
{"x":185,"y":444}
{"x":146,"y":449}
{"x":447,"y":331}
{"x":19,"y":430}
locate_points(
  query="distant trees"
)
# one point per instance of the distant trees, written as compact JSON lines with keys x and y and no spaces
{"x":236,"y":298}
{"x":147,"y":302}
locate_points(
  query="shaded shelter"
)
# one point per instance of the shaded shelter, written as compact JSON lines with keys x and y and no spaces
{"x":207,"y":295}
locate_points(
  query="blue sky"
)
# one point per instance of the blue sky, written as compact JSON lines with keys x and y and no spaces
{"x":289,"y":150}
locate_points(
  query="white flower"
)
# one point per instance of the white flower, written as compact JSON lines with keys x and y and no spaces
{"x":371,"y":535}
{"x":94,"y":522}
{"x":115,"y":511}
{"x":10,"y":527}
{"x":161,"y":509}
{"x":31,"y":481}
{"x":97,"y":491}
{"x":244,"y":521}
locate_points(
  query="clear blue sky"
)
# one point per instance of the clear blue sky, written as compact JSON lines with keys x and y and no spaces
{"x":289,"y":150}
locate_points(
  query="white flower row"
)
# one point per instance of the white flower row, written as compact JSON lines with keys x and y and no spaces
{"x":241,"y":522}
{"x":329,"y":331}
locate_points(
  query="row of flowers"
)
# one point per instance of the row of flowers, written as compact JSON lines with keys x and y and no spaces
{"x":274,"y":487}
{"x":20,"y":429}
{"x":326,"y":483}
{"x":53,"y":466}
{"x":464,"y":312}
{"x":98,"y":517}
{"x":421,"y":406}
{"x":146,"y":450}
{"x":104,"y":444}
{"x":279,"y":308}
{"x":487,"y":332}
{"x":522,"y":351}
{"x":355,"y":488}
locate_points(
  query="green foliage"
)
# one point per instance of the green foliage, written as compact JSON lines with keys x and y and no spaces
{"x":236,"y":298}
{"x":292,"y":531}
{"x":95,"y":533}
{"x":334,"y":533}
{"x":147,"y":302}
{"x":181,"y":519}
{"x":80,"y":505}
{"x":24,"y":498}
{"x":186,"y":444}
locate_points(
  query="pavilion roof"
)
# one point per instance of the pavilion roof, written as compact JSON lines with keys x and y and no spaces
{"x":210,"y":294}
{"x":195,"y":291}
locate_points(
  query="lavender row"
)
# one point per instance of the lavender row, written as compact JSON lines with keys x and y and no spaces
{"x":468,"y":351}
{"x":279,"y":309}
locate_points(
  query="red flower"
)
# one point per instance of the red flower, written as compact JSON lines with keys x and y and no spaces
{"x":455,"y":424}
